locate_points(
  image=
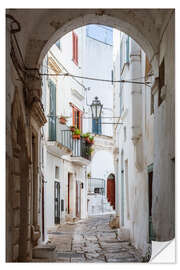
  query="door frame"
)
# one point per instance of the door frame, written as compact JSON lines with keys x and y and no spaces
{"x":151,"y":234}
{"x":58,"y":218}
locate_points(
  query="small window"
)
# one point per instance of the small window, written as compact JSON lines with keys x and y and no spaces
{"x":57,"y":172}
{"x":147,"y":68}
{"x":77,"y":118}
{"x":161,"y":81}
{"x":127,"y":49}
{"x":75,"y":48}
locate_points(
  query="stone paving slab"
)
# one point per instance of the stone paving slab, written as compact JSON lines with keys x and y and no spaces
{"x":91,"y":241}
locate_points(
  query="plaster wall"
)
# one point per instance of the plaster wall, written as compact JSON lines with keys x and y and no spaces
{"x":164,"y":143}
{"x":134,"y":137}
{"x":98,"y":64}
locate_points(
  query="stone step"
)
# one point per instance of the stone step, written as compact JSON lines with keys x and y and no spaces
{"x":44,"y":251}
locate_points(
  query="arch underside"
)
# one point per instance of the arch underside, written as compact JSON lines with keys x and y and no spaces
{"x":48,"y":25}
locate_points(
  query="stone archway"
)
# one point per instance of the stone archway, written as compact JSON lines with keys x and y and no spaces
{"x":145,"y":26}
{"x":20,"y":188}
{"x":40,"y":28}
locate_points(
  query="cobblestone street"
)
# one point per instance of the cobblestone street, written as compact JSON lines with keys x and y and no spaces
{"x":91,"y":241}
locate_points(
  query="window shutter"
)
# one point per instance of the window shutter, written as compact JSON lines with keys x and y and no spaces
{"x":75,"y":47}
{"x":73,"y":116}
{"x":96,"y":127}
{"x":127,"y":49}
{"x":52,"y":111}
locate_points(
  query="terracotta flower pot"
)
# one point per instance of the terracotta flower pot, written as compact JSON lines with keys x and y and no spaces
{"x":89,"y":141}
{"x":62,"y":120}
{"x":76,"y":136}
{"x":72,"y":129}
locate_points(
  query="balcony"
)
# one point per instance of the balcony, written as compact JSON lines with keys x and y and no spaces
{"x":60,"y":138}
{"x":80,"y":152}
{"x":61,"y":142}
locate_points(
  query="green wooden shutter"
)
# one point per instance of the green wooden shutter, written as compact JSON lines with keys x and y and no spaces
{"x":52,"y":111}
{"x":96,"y":127}
{"x":127,"y":49}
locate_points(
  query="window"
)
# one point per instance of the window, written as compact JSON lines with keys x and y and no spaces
{"x":161,"y":81}
{"x":127,"y":49}
{"x":57,"y":172}
{"x":52,"y":110}
{"x":147,"y":68}
{"x":96,"y":126}
{"x":75,"y":48}
{"x":77,"y":117}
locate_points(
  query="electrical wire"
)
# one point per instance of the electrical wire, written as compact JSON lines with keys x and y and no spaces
{"x":24,"y":69}
{"x":94,"y":79}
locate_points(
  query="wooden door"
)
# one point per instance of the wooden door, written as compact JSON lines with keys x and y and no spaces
{"x":69,"y":192}
{"x":56,"y":202}
{"x":111,"y":192}
{"x":150,"y":184}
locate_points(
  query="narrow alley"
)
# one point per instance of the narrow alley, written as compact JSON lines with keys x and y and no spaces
{"x":91,"y":241}
{"x":90,"y":134}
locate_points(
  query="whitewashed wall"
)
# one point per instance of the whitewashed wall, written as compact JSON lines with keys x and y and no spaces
{"x":98,"y":64}
{"x":67,"y":90}
{"x":135,"y":139}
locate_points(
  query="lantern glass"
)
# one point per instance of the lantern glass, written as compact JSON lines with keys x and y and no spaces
{"x":96,"y":108}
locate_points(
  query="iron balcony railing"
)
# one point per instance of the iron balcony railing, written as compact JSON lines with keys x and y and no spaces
{"x":96,"y":185}
{"x":63,"y":135}
{"x":81,"y":149}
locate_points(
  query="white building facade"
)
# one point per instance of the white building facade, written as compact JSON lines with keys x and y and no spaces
{"x":98,"y":54}
{"x":133,"y":142}
{"x":65,"y":161}
{"x":65,"y":158}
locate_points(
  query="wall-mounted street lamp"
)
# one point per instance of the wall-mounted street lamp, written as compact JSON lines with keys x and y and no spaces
{"x":96,"y":109}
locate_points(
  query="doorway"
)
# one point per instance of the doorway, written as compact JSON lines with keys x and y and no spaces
{"x":56,"y":202}
{"x":111,"y":190}
{"x":150,"y":194}
{"x":78,"y":199}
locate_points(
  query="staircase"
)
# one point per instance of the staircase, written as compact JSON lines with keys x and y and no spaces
{"x":98,"y":205}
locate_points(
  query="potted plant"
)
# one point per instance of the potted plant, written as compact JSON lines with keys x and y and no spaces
{"x":62,"y":120}
{"x":89,"y":175}
{"x":72,"y":128}
{"x":91,"y":139}
{"x":85,"y":136}
{"x":76,"y":134}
